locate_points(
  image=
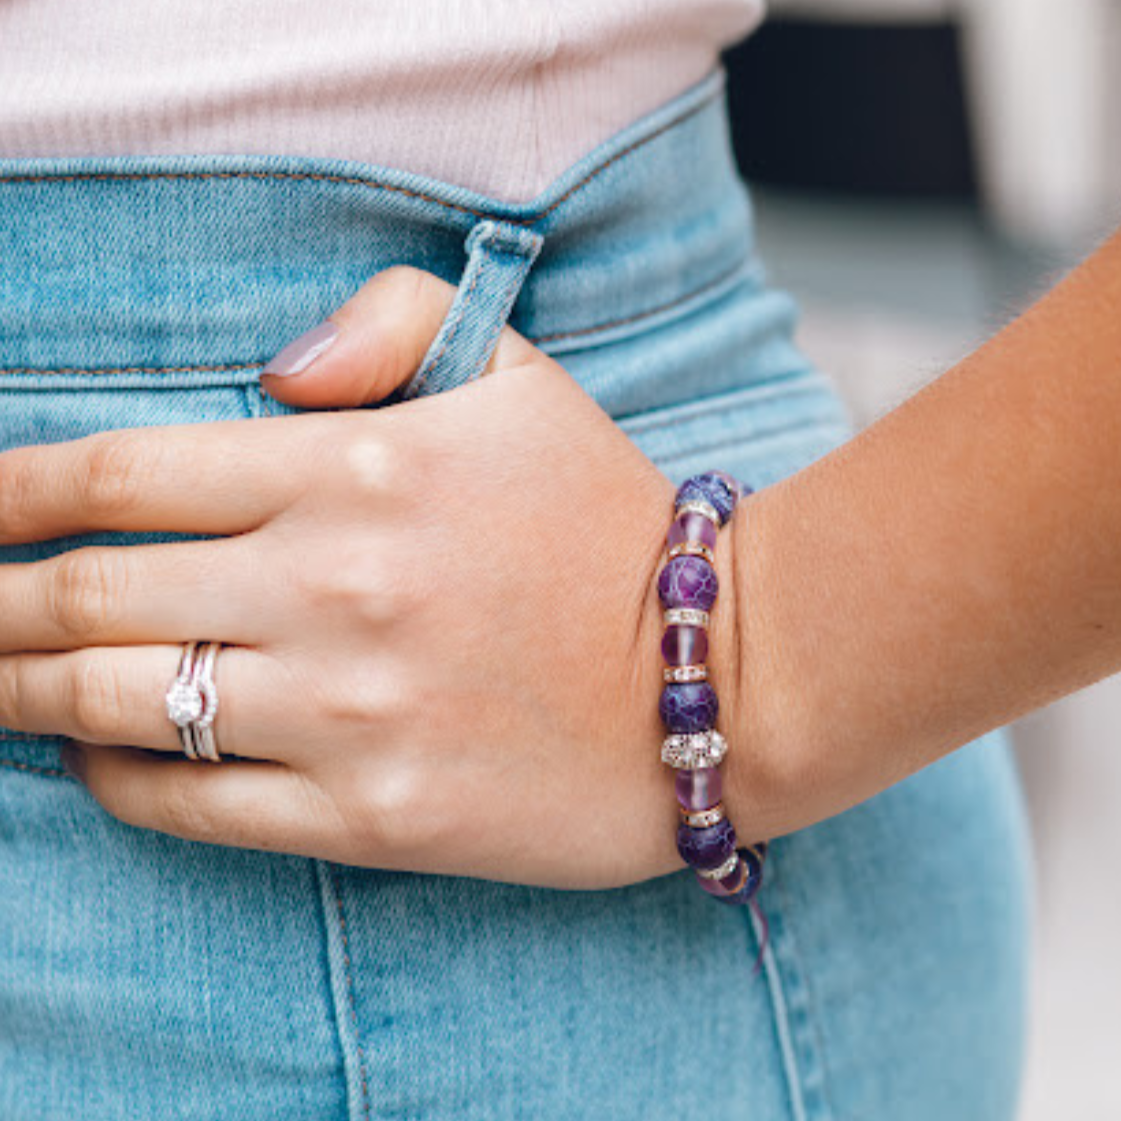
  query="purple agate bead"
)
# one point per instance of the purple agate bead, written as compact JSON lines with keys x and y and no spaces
{"x":684,"y":646}
{"x":691,"y":526}
{"x":714,"y":487}
{"x":708,"y":847}
{"x":688,"y":707}
{"x":700,"y":789}
{"x":688,"y":582}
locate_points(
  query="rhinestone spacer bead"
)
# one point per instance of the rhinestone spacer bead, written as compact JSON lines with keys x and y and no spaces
{"x":681,"y":674}
{"x":725,"y":869}
{"x":702,"y":819}
{"x":699,"y":506}
{"x":685,"y":617}
{"x":692,"y":751}
{"x":692,"y":549}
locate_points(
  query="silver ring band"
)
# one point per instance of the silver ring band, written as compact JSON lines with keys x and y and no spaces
{"x":192,"y":701}
{"x":206,"y":746}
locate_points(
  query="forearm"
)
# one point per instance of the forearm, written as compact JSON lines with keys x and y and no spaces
{"x":954,"y":566}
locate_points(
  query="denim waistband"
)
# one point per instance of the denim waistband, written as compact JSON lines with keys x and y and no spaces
{"x":159,"y":265}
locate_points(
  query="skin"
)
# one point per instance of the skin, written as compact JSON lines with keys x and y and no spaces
{"x":457,"y":670}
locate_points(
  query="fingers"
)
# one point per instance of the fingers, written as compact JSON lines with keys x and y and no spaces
{"x":222,"y":478}
{"x":249,"y":805}
{"x":115,"y":695}
{"x":102,"y":596}
{"x":373,"y":344}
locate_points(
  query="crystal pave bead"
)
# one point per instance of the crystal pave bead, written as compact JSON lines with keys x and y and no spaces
{"x":704,"y":749}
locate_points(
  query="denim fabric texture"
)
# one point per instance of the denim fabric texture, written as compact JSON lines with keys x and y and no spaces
{"x":144,"y":977}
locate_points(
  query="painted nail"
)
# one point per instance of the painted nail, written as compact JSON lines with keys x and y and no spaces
{"x":74,"y":760}
{"x":299,"y":354}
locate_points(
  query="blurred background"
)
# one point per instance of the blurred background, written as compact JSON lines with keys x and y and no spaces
{"x":922,"y":170}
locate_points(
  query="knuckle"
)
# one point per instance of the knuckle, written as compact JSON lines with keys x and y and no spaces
{"x":96,"y":700}
{"x":185,"y":813}
{"x":366,"y":590}
{"x":17,"y":495}
{"x":113,"y":475}
{"x":86,"y":590}
{"x":363,"y":701}
{"x":12,"y":692}
{"x":374,"y":464}
{"x":396,"y":811}
{"x":409,"y":283}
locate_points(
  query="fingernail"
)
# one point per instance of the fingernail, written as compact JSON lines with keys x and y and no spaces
{"x":299,"y":354}
{"x":74,"y":760}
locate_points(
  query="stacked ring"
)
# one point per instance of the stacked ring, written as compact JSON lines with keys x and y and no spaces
{"x":687,"y":588}
{"x":192,"y":701}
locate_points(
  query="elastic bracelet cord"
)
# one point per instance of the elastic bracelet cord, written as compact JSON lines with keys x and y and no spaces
{"x":687,"y":587}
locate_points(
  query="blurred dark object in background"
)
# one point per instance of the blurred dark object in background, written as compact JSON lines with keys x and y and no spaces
{"x":854,"y":108}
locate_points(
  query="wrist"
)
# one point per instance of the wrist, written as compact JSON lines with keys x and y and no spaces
{"x":761,"y":702}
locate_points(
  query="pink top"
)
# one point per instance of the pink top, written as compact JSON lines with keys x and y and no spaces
{"x":498,"y":95}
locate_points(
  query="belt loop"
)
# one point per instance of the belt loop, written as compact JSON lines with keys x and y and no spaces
{"x":499,"y":257}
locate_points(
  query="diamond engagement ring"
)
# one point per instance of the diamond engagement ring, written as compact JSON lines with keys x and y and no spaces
{"x":192,"y":701}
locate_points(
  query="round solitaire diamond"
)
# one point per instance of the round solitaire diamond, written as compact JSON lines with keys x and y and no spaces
{"x":184,"y":703}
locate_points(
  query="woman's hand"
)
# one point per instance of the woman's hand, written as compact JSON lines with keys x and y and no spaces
{"x":442,"y":627}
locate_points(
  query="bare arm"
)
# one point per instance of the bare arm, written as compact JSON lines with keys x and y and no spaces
{"x":955,"y":566}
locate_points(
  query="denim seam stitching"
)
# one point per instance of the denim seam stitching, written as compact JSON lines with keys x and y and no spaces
{"x":372,"y":184}
{"x":460,"y":311}
{"x":810,"y":1046}
{"x":52,"y":772}
{"x":536,"y":340}
{"x":610,"y":324}
{"x":64,"y":370}
{"x":509,"y":298}
{"x":780,"y":1013}
{"x":330,"y":888}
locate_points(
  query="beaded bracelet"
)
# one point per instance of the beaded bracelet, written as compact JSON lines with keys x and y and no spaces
{"x":687,"y":587}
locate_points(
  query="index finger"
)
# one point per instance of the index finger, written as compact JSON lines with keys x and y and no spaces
{"x":224,"y":477}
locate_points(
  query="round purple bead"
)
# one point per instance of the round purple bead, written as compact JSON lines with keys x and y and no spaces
{"x":708,"y":847}
{"x":712,"y":488}
{"x":684,"y":646}
{"x":688,"y":582}
{"x":691,"y":526}
{"x":688,"y":707}
{"x":700,"y":789}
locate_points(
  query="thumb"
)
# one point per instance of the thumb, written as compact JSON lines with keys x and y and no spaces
{"x":372,"y":344}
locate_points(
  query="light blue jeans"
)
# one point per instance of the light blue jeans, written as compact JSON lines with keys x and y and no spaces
{"x":145,"y":977}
